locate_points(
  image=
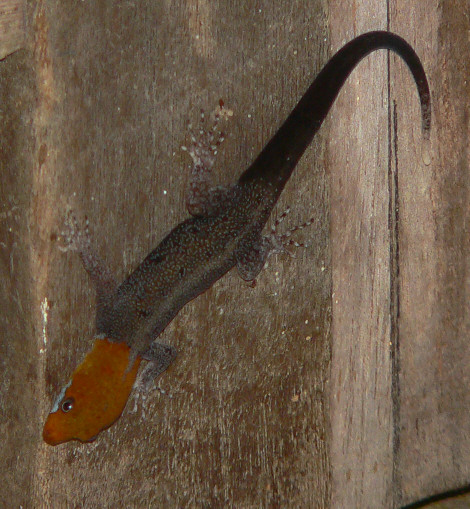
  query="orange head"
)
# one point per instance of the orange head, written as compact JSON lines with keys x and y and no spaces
{"x":95,"y":397}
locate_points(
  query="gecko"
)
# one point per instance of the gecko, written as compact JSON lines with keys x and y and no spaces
{"x":225,"y":230}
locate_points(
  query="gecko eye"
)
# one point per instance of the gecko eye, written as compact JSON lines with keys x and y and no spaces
{"x":67,"y":405}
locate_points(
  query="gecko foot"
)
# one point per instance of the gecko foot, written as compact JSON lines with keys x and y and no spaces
{"x":251,"y":261}
{"x":284,"y":239}
{"x":74,"y":237}
{"x":202,"y":198}
{"x":159,"y":357}
{"x":204,"y":144}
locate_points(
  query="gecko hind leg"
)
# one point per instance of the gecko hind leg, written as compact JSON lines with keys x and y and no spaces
{"x":159,"y":357}
{"x":251,"y":261}
{"x":284,"y":238}
{"x":204,"y":199}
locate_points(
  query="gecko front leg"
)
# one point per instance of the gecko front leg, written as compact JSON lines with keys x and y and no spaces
{"x":77,"y":238}
{"x":159,"y":357}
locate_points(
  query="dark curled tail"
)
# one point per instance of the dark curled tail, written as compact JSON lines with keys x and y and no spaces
{"x":278,"y":159}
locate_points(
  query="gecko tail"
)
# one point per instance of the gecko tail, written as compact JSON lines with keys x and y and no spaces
{"x":280,"y":156}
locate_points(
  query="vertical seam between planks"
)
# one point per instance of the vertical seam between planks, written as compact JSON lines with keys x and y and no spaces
{"x":394,"y":298}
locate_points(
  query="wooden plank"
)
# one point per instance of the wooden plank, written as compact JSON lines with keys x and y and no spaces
{"x":243,"y":421}
{"x":94,"y":117}
{"x":434,"y":216}
{"x":361,"y":406}
{"x":12,"y":33}
{"x":393,"y":444}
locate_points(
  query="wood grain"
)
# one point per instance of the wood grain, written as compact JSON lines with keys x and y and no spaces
{"x":434,"y":319}
{"x":12,"y":33}
{"x":361,"y":404}
{"x":340,"y":380}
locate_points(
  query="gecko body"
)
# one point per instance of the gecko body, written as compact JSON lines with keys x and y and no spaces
{"x":225,"y":231}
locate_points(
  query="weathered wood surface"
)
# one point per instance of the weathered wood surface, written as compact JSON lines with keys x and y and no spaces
{"x":340,"y":379}
{"x":400,"y":360}
{"x":12,"y":33}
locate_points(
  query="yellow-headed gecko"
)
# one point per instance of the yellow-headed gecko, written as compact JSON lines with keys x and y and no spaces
{"x":225,"y":231}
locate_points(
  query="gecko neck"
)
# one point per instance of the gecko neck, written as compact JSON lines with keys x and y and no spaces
{"x":278,"y":159}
